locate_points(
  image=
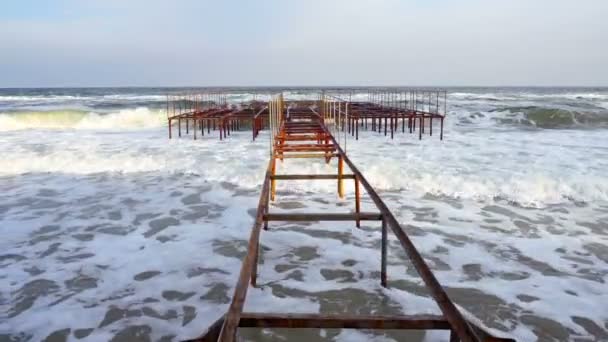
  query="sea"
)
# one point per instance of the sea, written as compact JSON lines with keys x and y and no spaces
{"x":111,"y":231}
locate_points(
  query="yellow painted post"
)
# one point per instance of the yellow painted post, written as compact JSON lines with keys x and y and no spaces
{"x":273,"y":181}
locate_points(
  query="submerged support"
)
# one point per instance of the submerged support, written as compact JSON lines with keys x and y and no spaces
{"x":340,"y":177}
{"x":454,"y":336}
{"x":233,"y":317}
{"x":383,"y":253}
{"x":254,"y":271}
{"x":357,"y":201}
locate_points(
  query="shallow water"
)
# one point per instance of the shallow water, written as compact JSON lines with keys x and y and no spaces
{"x":120,"y":234}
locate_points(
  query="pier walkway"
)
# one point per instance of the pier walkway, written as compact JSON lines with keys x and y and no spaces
{"x":314,"y":130}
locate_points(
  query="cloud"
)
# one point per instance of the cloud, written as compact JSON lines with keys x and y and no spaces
{"x":272,"y":42}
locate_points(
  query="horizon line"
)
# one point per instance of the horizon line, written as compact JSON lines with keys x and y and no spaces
{"x":303,"y":86}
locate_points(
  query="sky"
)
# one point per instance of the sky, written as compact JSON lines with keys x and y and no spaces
{"x":63,"y":43}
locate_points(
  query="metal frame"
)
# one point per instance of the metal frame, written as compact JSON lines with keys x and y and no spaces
{"x":306,"y":133}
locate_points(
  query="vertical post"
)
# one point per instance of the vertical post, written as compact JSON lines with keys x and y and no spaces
{"x":357,"y":200}
{"x":422,"y":123}
{"x":454,"y":336}
{"x":273,"y":184}
{"x":437,"y":102}
{"x":266,"y":213}
{"x":221,"y":128}
{"x":441,"y":130}
{"x":384,"y":247}
{"x":254,"y":273}
{"x":270,"y":124}
{"x":385,"y":125}
{"x":346,"y":116}
{"x":168,"y":116}
{"x":340,"y":175}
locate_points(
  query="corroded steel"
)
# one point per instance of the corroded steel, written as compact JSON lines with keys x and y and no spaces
{"x":319,"y":129}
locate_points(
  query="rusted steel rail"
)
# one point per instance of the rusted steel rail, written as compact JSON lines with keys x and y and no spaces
{"x":212,"y":112}
{"x":305,"y":130}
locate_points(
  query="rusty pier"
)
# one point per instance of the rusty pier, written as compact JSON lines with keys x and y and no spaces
{"x":388,"y":112}
{"x":211,"y":112}
{"x":317,"y":130}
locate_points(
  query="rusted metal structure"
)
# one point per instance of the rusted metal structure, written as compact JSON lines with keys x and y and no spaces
{"x":381,"y":111}
{"x":211,"y":111}
{"x":416,"y":107}
{"x":318,"y":130}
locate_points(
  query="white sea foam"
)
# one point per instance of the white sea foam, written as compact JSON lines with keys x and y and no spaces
{"x":139,"y":118}
{"x":498,"y":213}
{"x":444,"y":170}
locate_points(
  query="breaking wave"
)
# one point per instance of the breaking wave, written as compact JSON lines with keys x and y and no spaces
{"x":137,"y":118}
{"x":550,"y":118}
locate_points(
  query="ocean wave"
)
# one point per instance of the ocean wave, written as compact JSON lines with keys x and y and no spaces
{"x":37,"y":98}
{"x":551,"y":118}
{"x":137,"y":118}
{"x":535,"y":190}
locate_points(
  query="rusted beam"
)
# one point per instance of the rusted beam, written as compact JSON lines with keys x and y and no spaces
{"x":457,"y":321}
{"x":277,"y":320}
{"x":309,"y":155}
{"x":310,"y":177}
{"x":228,"y":332}
{"x":323,"y":217}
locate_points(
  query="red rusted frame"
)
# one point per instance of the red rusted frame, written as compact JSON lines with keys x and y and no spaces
{"x":318,"y":321}
{"x":248,"y":266}
{"x":457,"y":321}
{"x":305,"y":127}
{"x":214,"y":115}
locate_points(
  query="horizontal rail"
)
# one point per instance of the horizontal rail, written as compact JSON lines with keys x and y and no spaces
{"x":276,"y":320}
{"x":447,"y":307}
{"x":308,"y":155}
{"x":235,"y":310}
{"x":323,"y":217}
{"x":310,"y":177}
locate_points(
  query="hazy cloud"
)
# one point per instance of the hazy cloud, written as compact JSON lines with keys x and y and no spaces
{"x":355,"y":42}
